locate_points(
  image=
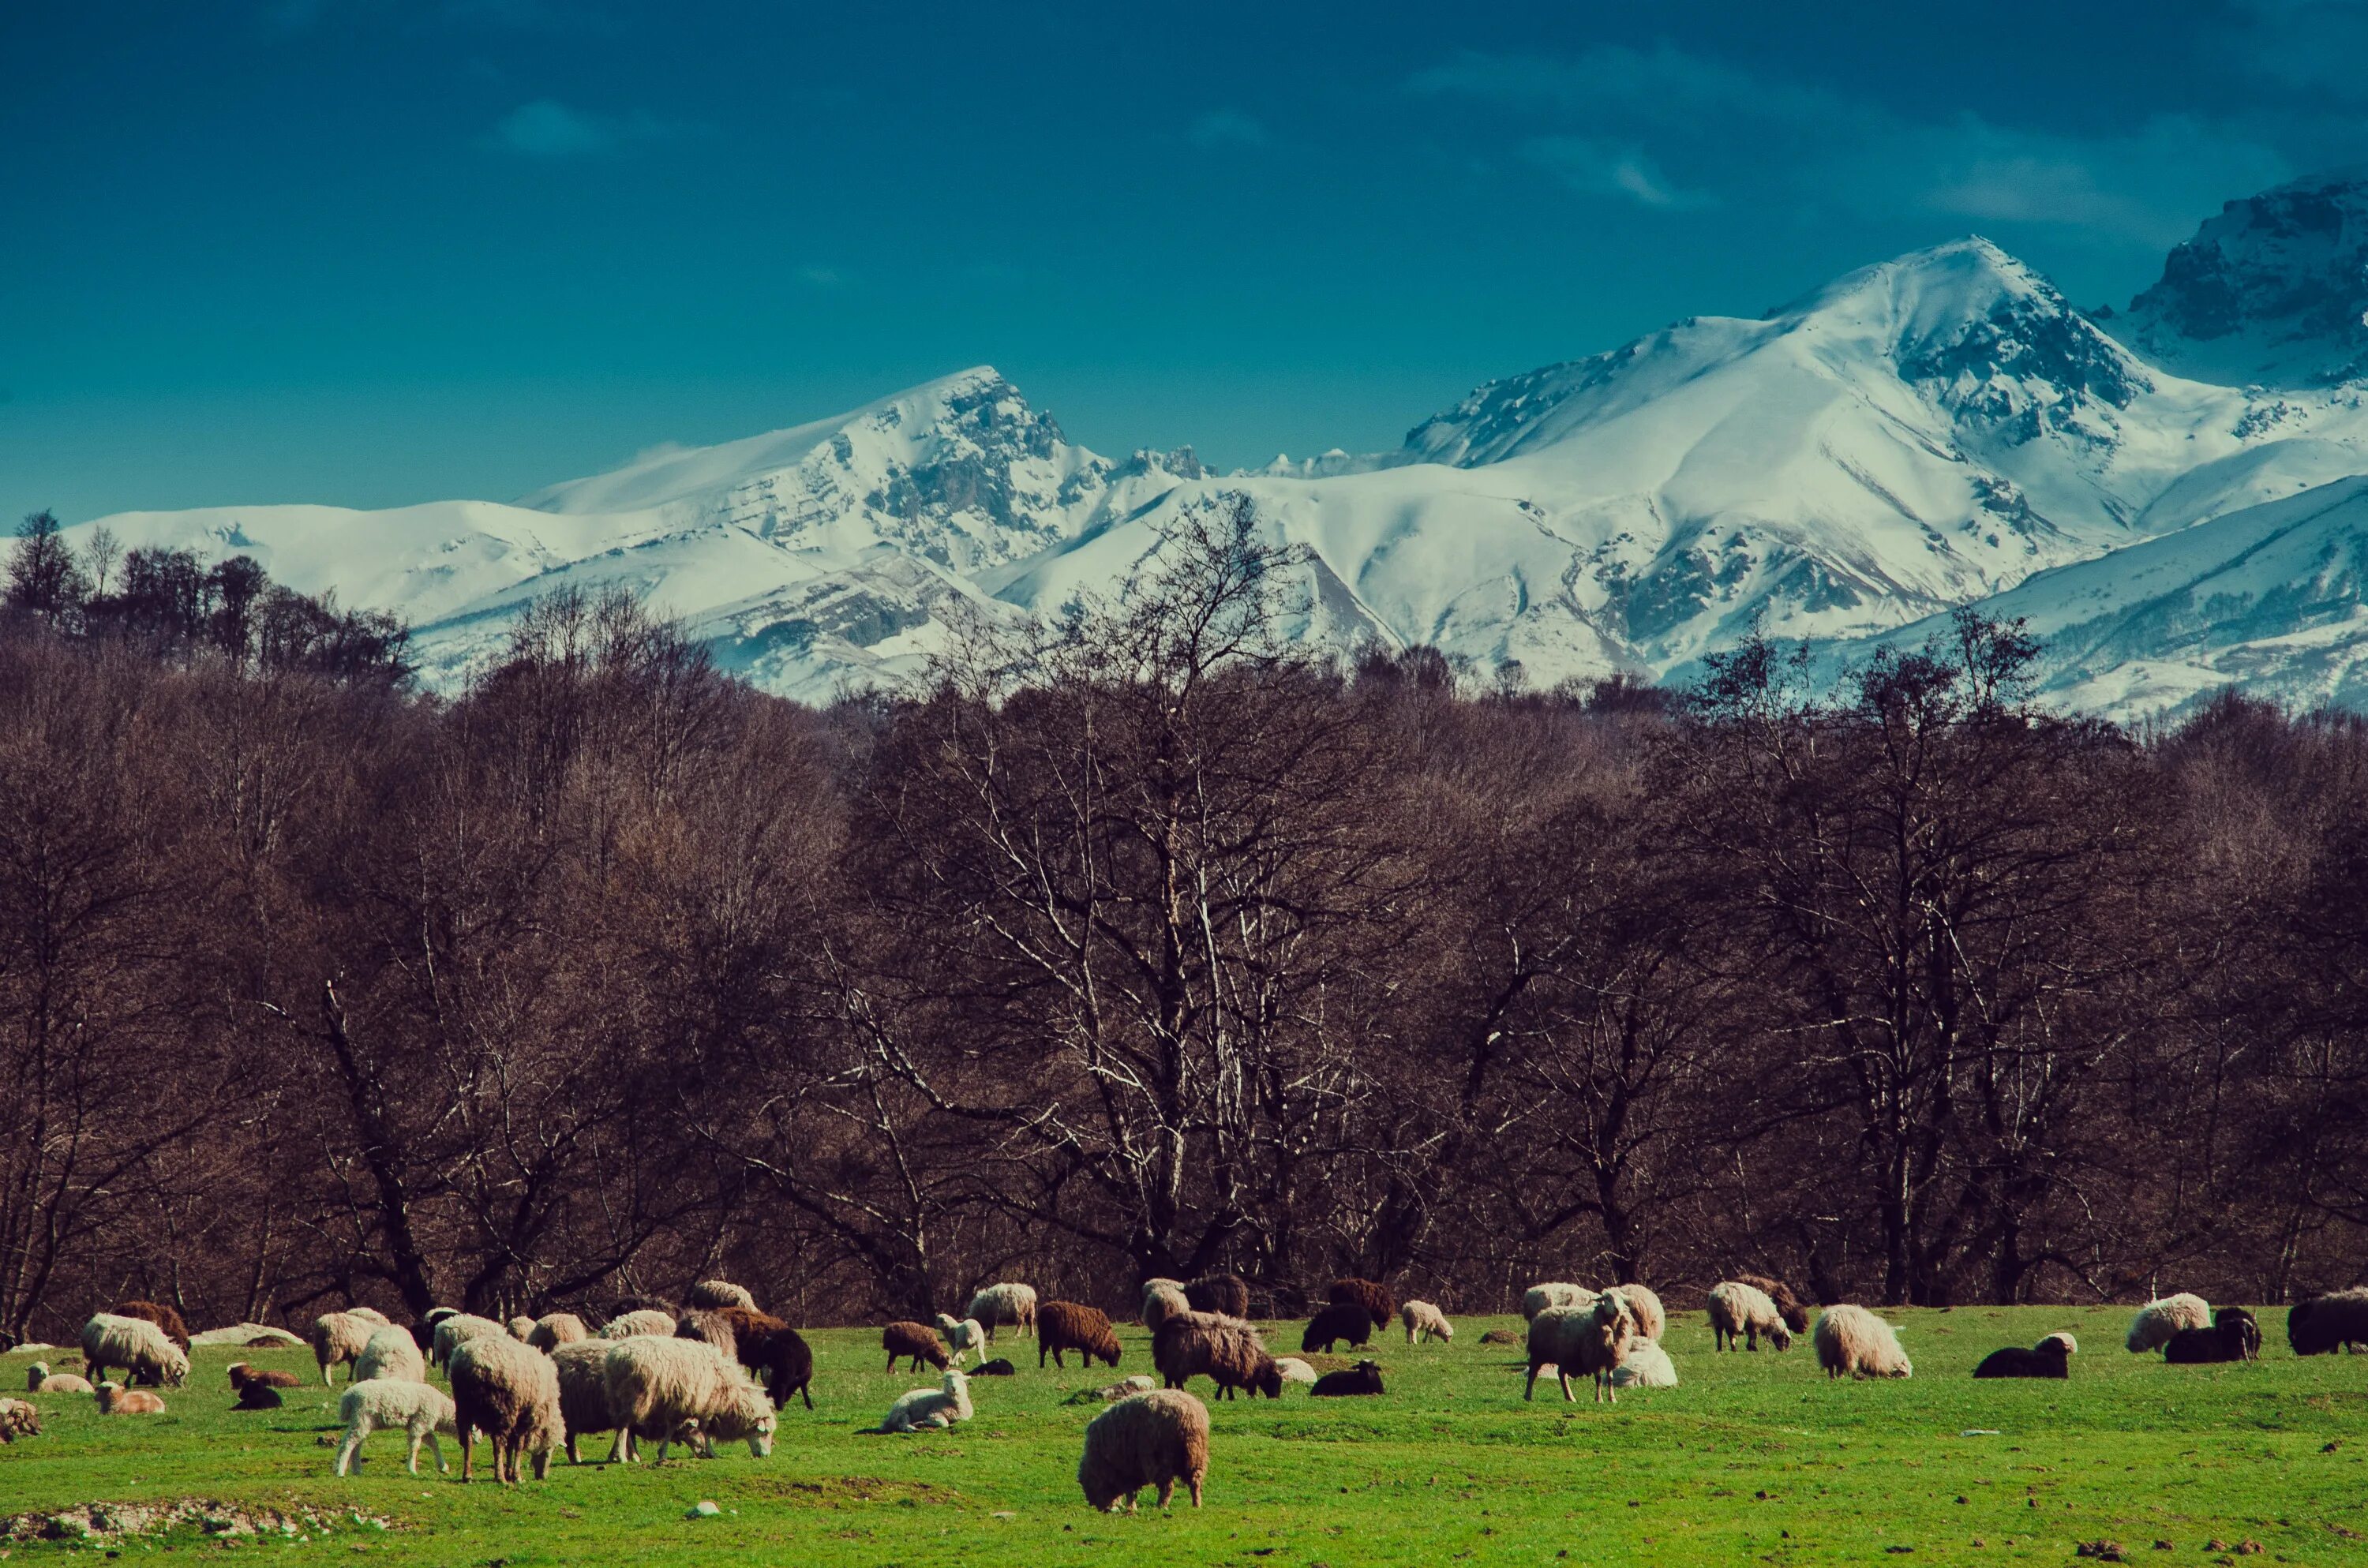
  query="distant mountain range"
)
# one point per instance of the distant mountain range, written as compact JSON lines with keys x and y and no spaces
{"x":2172,"y":494}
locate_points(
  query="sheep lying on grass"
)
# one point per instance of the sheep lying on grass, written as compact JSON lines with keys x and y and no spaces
{"x":510,"y":1391}
{"x":1364,"y":1378}
{"x":1647,"y":1365}
{"x":1425,"y":1321}
{"x":927,"y":1410}
{"x":2233,"y":1335}
{"x":1145,"y":1439}
{"x":114,"y":1399}
{"x":137,"y":1345}
{"x":417,"y":1407}
{"x":18,"y":1419}
{"x":240,"y":1374}
{"x":1292,"y":1370}
{"x":1854,"y":1341}
{"x":2051,"y":1358}
{"x":2158,"y":1320}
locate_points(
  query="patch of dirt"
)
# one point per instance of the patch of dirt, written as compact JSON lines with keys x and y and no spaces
{"x":839,"y":1492}
{"x":99,"y":1521}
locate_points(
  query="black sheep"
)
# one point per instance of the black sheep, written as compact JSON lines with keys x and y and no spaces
{"x":258,"y":1397}
{"x":2051,"y":1358}
{"x":1341,"y":1320}
{"x":2233,"y":1336}
{"x":2328,"y":1323}
{"x":1365,"y":1376}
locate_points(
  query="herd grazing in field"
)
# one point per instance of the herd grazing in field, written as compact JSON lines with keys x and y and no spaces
{"x":715,"y":1368}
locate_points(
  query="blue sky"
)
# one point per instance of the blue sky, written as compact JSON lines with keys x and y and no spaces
{"x":379,"y":251}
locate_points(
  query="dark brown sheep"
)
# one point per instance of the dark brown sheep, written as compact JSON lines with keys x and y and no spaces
{"x":1349,"y":1321}
{"x":711,"y":1328}
{"x":163,"y":1316}
{"x":1226,"y":1349}
{"x":1364,"y":1378}
{"x":1226,"y":1294}
{"x":1788,"y":1305}
{"x":1070,"y":1325}
{"x":773,"y":1350}
{"x":1375,"y":1299}
{"x":241,"y":1375}
{"x":257,"y":1396}
{"x":917,"y":1340}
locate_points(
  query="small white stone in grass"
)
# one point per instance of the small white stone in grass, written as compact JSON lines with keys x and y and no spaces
{"x":1003,"y":1514}
{"x":705,"y":1510}
{"x":1979,"y":1432}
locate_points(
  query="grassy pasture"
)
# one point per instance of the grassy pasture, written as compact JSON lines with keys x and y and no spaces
{"x":1754,"y":1458}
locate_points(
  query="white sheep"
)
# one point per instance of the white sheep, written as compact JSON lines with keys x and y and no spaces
{"x":1851,"y":1339}
{"x":1647,"y":1309}
{"x":710,"y":1294}
{"x":963,"y":1337}
{"x":2158,"y":1320}
{"x":925,"y":1410}
{"x":1005,"y":1306}
{"x":521,"y":1328}
{"x":1592,"y":1339}
{"x":684,"y":1390}
{"x":1294,"y":1370}
{"x":1553,"y":1293}
{"x":415,"y":1405}
{"x":1162,"y":1300}
{"x":391,"y":1353}
{"x":39,"y":1379}
{"x":1426,"y":1321}
{"x":554,"y":1329}
{"x":642,"y":1321}
{"x":369,"y":1315}
{"x":457,"y":1330}
{"x":582,"y":1370}
{"x":510,"y":1391}
{"x":338,"y":1337}
{"x":134,"y":1344}
{"x":1647,"y":1365}
{"x":1747,"y":1312}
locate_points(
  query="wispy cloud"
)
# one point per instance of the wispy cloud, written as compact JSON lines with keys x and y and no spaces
{"x":816,"y":277}
{"x":1226,"y":127}
{"x":548,"y":129}
{"x":1602,"y":168}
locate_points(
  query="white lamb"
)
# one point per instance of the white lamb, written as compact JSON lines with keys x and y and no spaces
{"x":925,"y":1410}
{"x":391,"y":1353}
{"x":962,"y":1338}
{"x":417,"y":1407}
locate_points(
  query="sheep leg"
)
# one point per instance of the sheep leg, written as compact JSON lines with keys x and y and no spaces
{"x":1166,"y":1492}
{"x":1562,"y":1375}
{"x":352,"y":1445}
{"x":468,"y":1454}
{"x":434,"y":1448}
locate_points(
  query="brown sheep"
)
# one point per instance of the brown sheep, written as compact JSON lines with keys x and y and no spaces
{"x":1350,"y":1321}
{"x":114,"y":1399}
{"x":1228,"y":1295}
{"x":1375,"y":1299}
{"x":1226,"y":1350}
{"x":1070,"y":1325}
{"x":510,"y":1391}
{"x":1788,"y":1305}
{"x":163,"y":1316}
{"x":1145,"y":1439}
{"x":917,"y":1340}
{"x":241,"y":1375}
{"x":774,"y":1350}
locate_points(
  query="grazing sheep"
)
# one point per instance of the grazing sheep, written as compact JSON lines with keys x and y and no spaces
{"x":62,"y":1383}
{"x":1005,"y":1306}
{"x":391,"y":1353}
{"x":459,"y":1330}
{"x":926,"y":1410}
{"x":1145,"y":1439}
{"x":407,"y":1403}
{"x":510,"y":1391}
{"x":554,"y":1329}
{"x":1348,"y":1320}
{"x":240,"y":1374}
{"x":1427,"y":1321}
{"x":1788,"y":1305}
{"x":2158,"y":1320}
{"x":1364,"y":1378}
{"x":1851,"y":1339}
{"x":640,"y":1321}
{"x":1375,"y":1299}
{"x":1555,"y":1293}
{"x":2336,"y":1320}
{"x":338,"y":1339}
{"x":582,"y":1368}
{"x":435,"y":1315}
{"x":1162,"y":1300}
{"x":962,"y":1335}
{"x":1647,"y":1365}
{"x":917,"y":1340}
{"x":773,"y":1350}
{"x":1292,"y":1370}
{"x":710,"y":1294}
{"x":136,"y":1344}
{"x":1226,"y":1350}
{"x":258,"y":1397}
{"x":1590,"y":1339}
{"x":1743,"y":1311}
{"x":1646,"y":1307}
{"x":2051,"y":1358}
{"x":712,"y":1328}
{"x":369,"y":1314}
{"x":685,"y":1391}
{"x":519,"y":1327}
{"x":114,"y":1399}
{"x":1228,"y":1295}
{"x":2233,"y":1336}
{"x":18,"y":1419}
{"x":163,"y":1316}
{"x":1070,"y":1325}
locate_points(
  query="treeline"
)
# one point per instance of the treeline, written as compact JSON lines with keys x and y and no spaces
{"x":1143,"y":944}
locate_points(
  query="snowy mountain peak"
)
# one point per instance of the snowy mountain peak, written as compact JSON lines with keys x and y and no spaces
{"x":2274,"y":291}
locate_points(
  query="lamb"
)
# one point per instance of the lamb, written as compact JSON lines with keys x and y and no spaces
{"x":773,"y":1350}
{"x":1743,"y":1311}
{"x":1364,"y":1378}
{"x":1647,"y":1365}
{"x":1005,"y":1306}
{"x":408,"y":1403}
{"x":640,"y":1321}
{"x":1226,"y":1350}
{"x":684,"y":1390}
{"x":240,"y":1374}
{"x":62,"y":1382}
{"x":1592,"y":1339}
{"x":1348,"y":1320}
{"x":134,"y":1344}
{"x":926,"y":1410}
{"x":1145,"y":1439}
{"x":2233,"y":1336}
{"x":1162,"y":1300}
{"x":1070,"y":1325}
{"x":917,"y":1340}
{"x":710,"y":1294}
{"x":459,"y":1330}
{"x":258,"y":1397}
{"x":1553,"y":1293}
{"x":554,"y":1329}
{"x":1795,"y":1315}
{"x":114,"y":1399}
{"x":582,"y":1368}
{"x":1375,"y":1299}
{"x":2158,"y":1320}
{"x":1423,"y":1319}
{"x":1651,"y":1318}
{"x":712,"y":1328}
{"x":962,"y":1335}
{"x":338,"y":1339}
{"x":1851,"y":1339}
{"x":1226,"y":1294}
{"x":1292,"y":1370}
{"x":18,"y":1419}
{"x":391,"y":1353}
{"x":510,"y":1391}
{"x":163,"y":1316}
{"x":2051,"y":1358}
{"x":2328,"y":1322}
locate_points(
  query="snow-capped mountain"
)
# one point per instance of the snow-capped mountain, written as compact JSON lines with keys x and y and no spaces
{"x":1917,"y":434}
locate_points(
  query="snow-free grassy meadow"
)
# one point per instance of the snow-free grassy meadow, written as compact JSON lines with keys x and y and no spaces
{"x":1754,"y":1457}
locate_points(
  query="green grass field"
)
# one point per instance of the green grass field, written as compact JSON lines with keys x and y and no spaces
{"x":1756,"y":1456}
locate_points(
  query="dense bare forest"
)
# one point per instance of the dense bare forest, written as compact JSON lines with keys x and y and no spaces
{"x":1139,"y":944}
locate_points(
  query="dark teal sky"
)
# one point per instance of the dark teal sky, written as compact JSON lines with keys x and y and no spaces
{"x":378,"y":251}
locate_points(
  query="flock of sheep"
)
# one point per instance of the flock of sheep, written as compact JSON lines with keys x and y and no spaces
{"x":716,"y":1369}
